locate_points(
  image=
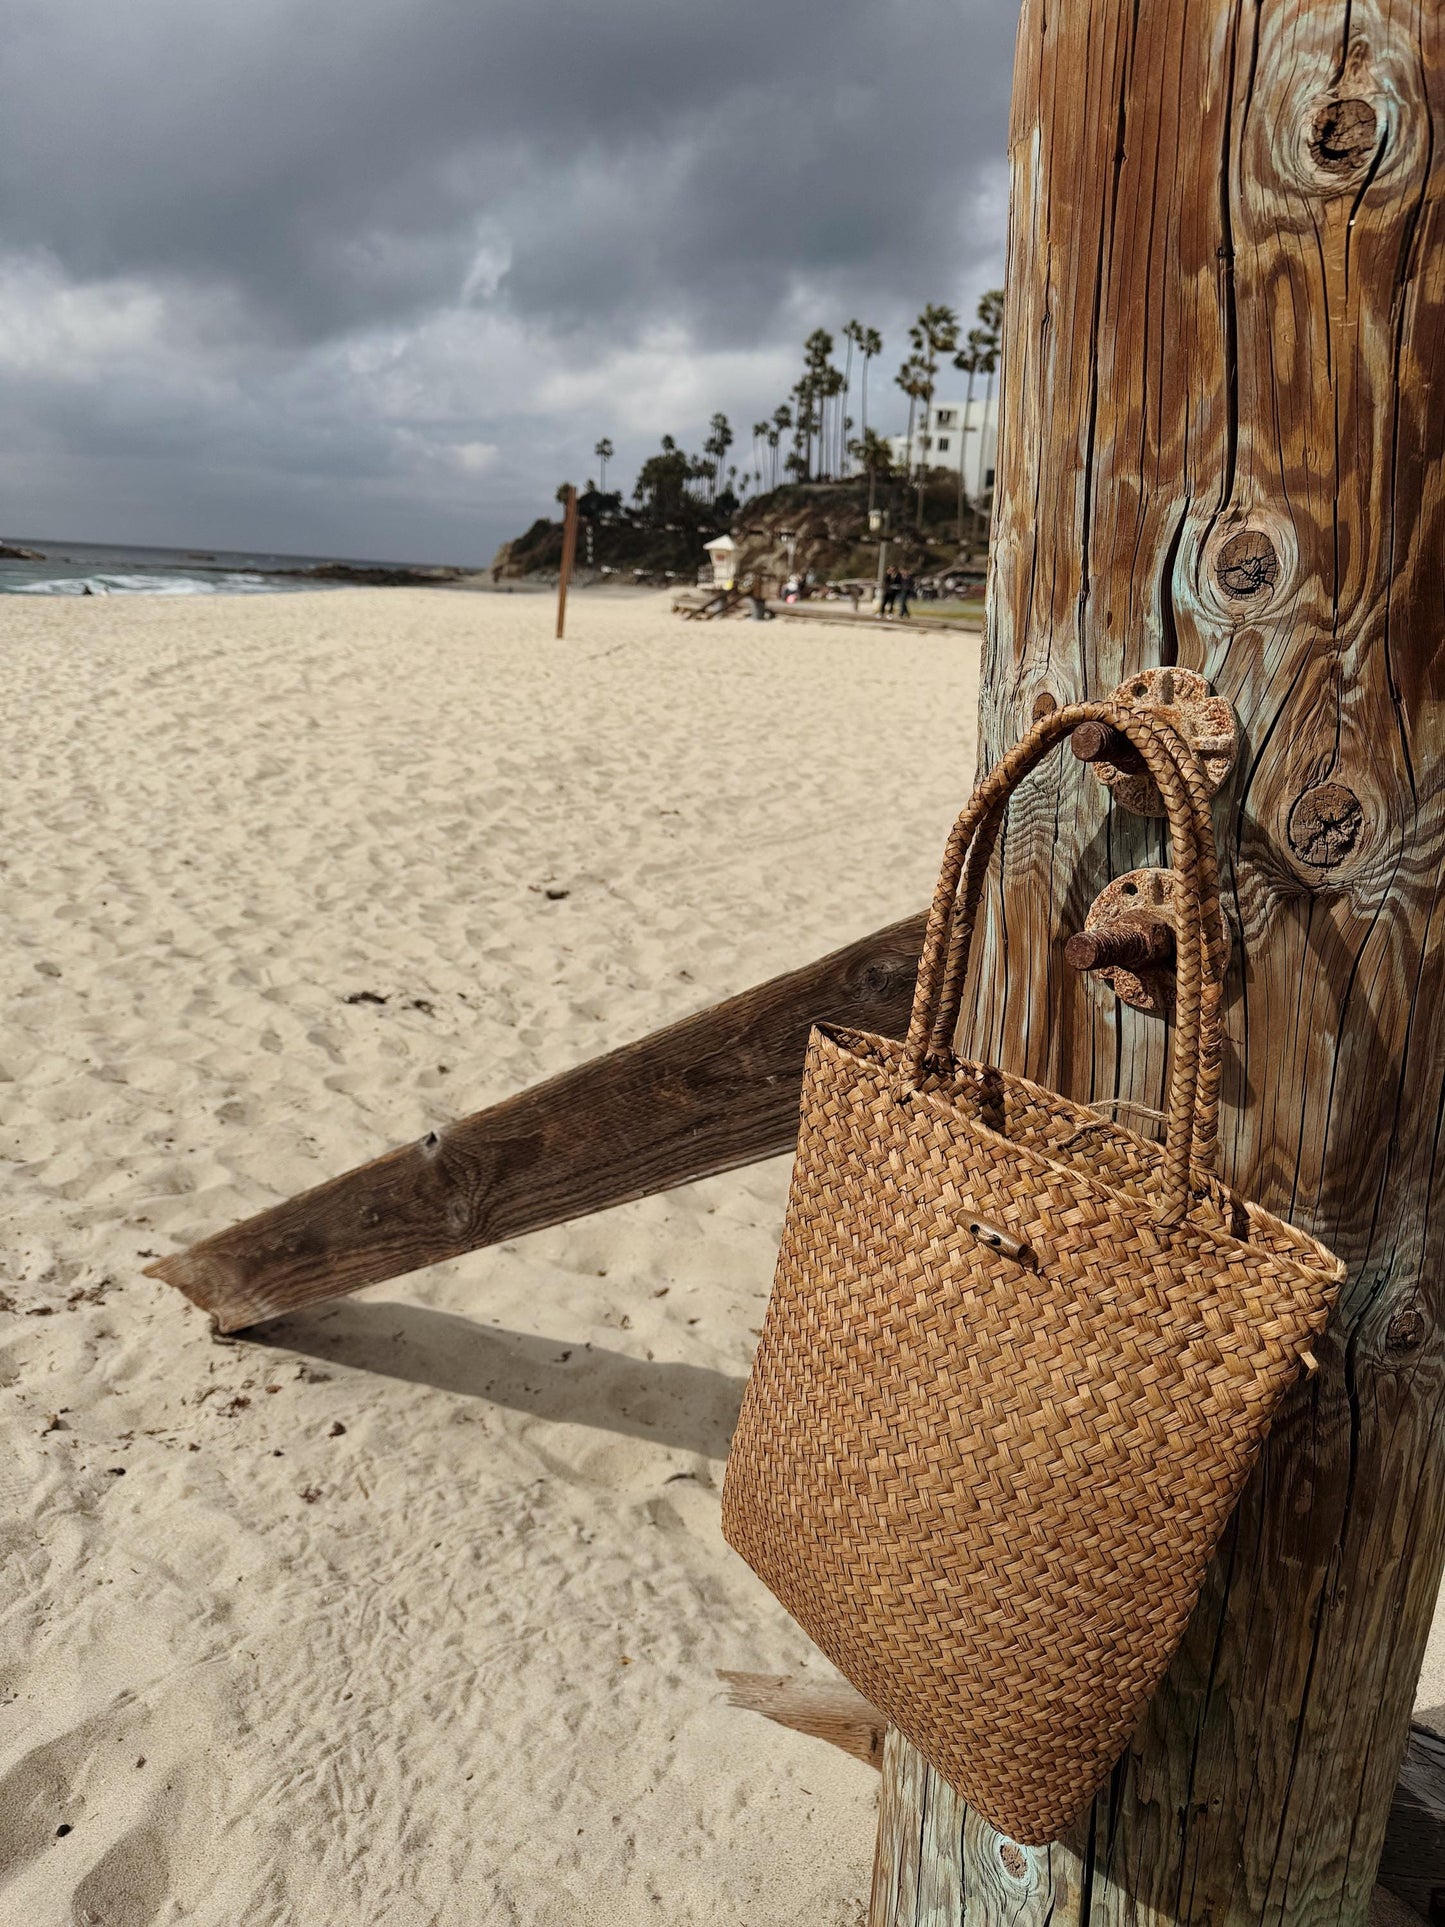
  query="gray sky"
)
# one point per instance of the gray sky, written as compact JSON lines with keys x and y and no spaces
{"x":372,"y":276}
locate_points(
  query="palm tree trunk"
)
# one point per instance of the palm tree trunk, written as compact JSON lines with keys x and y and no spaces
{"x":968,"y":420}
{"x":847,"y":391}
{"x":927,"y":421}
{"x":963,"y":455}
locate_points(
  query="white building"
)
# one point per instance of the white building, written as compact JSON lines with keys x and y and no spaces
{"x":945,"y":439}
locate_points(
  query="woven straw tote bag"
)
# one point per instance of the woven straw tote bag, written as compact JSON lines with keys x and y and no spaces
{"x":1017,"y":1360}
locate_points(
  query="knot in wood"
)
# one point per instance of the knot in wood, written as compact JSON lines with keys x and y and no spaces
{"x":1013,"y":1859}
{"x":1343,"y":135}
{"x":1248,"y":565}
{"x":1405,"y":1331}
{"x":882,"y":980}
{"x":1324,"y":824}
{"x":1045,"y":703}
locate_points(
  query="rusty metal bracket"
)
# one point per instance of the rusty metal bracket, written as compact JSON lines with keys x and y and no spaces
{"x":1129,"y":935}
{"x":1179,"y":697}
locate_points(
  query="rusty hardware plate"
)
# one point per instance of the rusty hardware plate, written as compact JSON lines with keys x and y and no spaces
{"x":1205,"y":720}
{"x":1147,"y":893}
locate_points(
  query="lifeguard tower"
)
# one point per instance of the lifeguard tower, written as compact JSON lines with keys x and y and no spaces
{"x":722,"y":553}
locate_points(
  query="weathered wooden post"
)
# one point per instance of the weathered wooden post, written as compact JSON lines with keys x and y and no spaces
{"x":1224,"y":411}
{"x":569,"y":555}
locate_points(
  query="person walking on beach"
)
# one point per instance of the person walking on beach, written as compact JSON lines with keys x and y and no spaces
{"x":906,"y":587}
{"x":890,"y":592}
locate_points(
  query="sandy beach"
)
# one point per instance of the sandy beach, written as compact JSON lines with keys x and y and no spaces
{"x":409,"y":1610}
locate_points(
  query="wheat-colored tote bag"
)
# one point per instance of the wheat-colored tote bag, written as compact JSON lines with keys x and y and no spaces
{"x":1017,"y":1360}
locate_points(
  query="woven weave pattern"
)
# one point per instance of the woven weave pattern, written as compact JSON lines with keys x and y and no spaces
{"x":987,"y":1493}
{"x":988,"y":1485}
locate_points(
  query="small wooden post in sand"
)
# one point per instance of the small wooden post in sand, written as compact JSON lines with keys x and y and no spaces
{"x":569,"y":555}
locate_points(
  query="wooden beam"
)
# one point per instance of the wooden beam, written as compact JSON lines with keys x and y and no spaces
{"x":828,"y":1709}
{"x":1223,"y":448}
{"x":715,"y":1091}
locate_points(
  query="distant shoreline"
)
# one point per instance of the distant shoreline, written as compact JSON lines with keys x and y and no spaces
{"x":39,"y":568}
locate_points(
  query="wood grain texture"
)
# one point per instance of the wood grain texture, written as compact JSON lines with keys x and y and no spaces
{"x":569,"y":555}
{"x":1011,"y":1876}
{"x":705,"y":1095}
{"x":917,"y":1866}
{"x":1221,"y":448}
{"x":827,"y":1709}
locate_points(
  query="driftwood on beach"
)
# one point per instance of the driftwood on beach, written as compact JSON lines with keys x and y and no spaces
{"x":712,"y":1092}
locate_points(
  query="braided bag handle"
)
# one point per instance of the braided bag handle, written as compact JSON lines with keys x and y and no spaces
{"x":1190,"y":1146}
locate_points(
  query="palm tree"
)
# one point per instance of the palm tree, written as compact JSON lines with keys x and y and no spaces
{"x":832,"y":388}
{"x":782,"y":422}
{"x":990,"y":315}
{"x":989,"y":365}
{"x":805,"y":421}
{"x":853,"y":335}
{"x":870,"y":343}
{"x":970,"y":359}
{"x":935,"y":333}
{"x":719,"y":441}
{"x":817,"y":356}
{"x":910,"y":379}
{"x":760,"y":436}
{"x":604,"y":451}
{"x":876,"y":458}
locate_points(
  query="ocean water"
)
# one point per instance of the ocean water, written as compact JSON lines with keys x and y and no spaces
{"x":72,"y":568}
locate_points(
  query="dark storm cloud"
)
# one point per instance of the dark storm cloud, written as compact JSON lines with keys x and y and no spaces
{"x":310,"y":191}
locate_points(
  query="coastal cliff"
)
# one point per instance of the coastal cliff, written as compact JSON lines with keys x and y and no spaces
{"x":826,"y":521}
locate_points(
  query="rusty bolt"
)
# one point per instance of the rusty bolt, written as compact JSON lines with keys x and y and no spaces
{"x":1102,"y":743}
{"x":1325,"y":823}
{"x":1128,"y":943}
{"x":1247,"y":565}
{"x":1343,"y":135}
